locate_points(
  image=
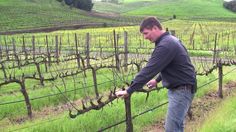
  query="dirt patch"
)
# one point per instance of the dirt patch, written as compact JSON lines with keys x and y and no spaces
{"x":201,"y":107}
{"x":51,"y":111}
{"x":156,"y":127}
{"x":45,"y":112}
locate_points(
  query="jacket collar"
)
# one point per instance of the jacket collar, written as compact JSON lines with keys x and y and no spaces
{"x":161,"y":37}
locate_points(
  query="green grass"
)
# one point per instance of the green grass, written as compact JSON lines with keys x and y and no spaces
{"x":185,"y":9}
{"x":223,"y":118}
{"x":12,"y":92}
{"x":27,"y":14}
{"x":197,"y":36}
{"x":111,"y":114}
{"x":102,"y":118}
{"x":121,"y":8}
{"x":193,"y":9}
{"x":132,"y":1}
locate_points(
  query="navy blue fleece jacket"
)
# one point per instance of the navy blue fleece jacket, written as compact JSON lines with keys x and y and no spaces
{"x":171,"y":60}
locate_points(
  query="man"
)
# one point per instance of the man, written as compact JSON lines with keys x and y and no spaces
{"x":170,"y":59}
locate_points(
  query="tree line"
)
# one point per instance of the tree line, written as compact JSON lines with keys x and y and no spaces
{"x":86,"y":5}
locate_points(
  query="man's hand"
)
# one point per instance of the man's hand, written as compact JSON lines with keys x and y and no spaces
{"x":122,"y":94}
{"x":152,"y":83}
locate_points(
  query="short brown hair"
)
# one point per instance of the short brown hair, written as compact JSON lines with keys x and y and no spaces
{"x":149,"y":23}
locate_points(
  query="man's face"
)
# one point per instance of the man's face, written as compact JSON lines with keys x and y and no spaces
{"x":150,"y":34}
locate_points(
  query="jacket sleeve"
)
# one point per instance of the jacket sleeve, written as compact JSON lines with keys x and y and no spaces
{"x":161,"y":57}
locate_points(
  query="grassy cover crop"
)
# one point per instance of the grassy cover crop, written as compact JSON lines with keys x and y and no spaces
{"x":115,"y":112}
{"x":199,"y":37}
{"x":203,"y":39}
{"x":223,"y":118}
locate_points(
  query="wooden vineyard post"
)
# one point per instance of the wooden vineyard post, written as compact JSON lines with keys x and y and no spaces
{"x":87,"y":50}
{"x":39,"y":72}
{"x":45,"y":64}
{"x":126,"y":50}
{"x":208,"y":44}
{"x":129,"y":124}
{"x":24,"y":49}
{"x":6,"y":48}
{"x":14,"y":47}
{"x":48,"y":52}
{"x":220,"y":67}
{"x":116,"y":52}
{"x":57,"y":49}
{"x":68,"y":39}
{"x":172,"y":32}
{"x":14,"y":52}
{"x":60,"y":45}
{"x":33,"y":47}
{"x":101,"y":52}
{"x":214,"y":54}
{"x":0,"y":49}
{"x":193,"y":44}
{"x":234,"y":50}
{"x":1,"y":52}
{"x":77,"y":51}
{"x":95,"y":81}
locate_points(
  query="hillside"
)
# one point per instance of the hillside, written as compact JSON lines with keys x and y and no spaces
{"x":28,"y":14}
{"x":167,"y":8}
{"x":38,"y":14}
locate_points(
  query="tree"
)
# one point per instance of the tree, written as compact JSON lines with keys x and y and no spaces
{"x":69,"y":2}
{"x":231,"y":5}
{"x":86,"y":5}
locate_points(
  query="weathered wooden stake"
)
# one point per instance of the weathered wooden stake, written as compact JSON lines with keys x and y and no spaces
{"x":95,"y":81}
{"x":87,"y":49}
{"x":129,"y":124}
{"x":14,"y":52}
{"x":220,"y":92}
{"x":33,"y":47}
{"x":24,"y":48}
{"x":57,"y":49}
{"x":126,"y":50}
{"x":116,"y":52}
{"x":48,"y":52}
{"x":0,"y":48}
{"x":6,"y":48}
{"x":40,"y":74}
{"x":1,"y":52}
{"x":172,"y":32}
{"x":214,"y":54}
{"x":77,"y":51}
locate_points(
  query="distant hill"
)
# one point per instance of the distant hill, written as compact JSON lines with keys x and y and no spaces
{"x":22,"y":14}
{"x":191,"y":9}
{"x":34,"y":14}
